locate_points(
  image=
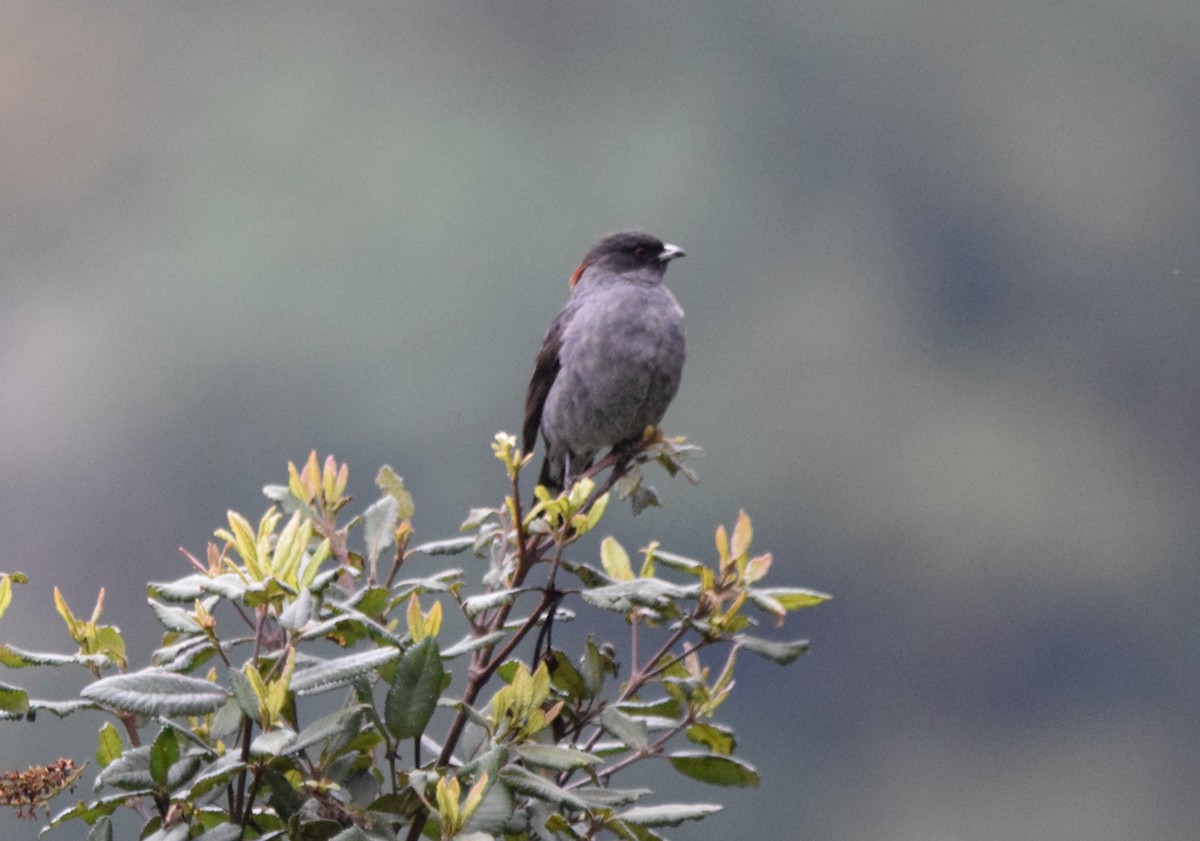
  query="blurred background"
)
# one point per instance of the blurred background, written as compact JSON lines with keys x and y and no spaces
{"x":942,"y":284}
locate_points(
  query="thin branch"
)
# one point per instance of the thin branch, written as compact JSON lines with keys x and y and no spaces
{"x":651,"y":749}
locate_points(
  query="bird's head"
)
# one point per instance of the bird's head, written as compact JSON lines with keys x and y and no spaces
{"x":635,"y":254}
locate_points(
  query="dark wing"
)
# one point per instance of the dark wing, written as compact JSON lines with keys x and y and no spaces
{"x":545,"y":370}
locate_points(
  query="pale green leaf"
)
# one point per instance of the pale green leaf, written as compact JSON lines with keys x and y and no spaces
{"x":156,"y":692}
{"x":777,"y":652}
{"x":17,"y":658}
{"x":475,"y":605}
{"x":652,"y":593}
{"x":601,"y":798}
{"x":668,"y":814}
{"x":276,"y":742}
{"x":554,"y":756}
{"x":298,"y":612}
{"x":379,"y":526}
{"x":175,"y":618}
{"x":470,"y":643}
{"x":630,"y":731}
{"x":191,"y":587}
{"x":529,"y":783}
{"x":392,"y":484}
{"x":330,"y":673}
{"x":450,"y":546}
{"x":615,"y":560}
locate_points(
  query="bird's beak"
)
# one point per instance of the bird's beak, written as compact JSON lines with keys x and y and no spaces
{"x":670,"y":252}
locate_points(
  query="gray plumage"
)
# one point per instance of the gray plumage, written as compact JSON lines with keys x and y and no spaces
{"x":612,"y":360}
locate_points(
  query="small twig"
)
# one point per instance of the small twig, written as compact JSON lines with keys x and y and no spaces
{"x":651,"y":749}
{"x":638,"y":677}
{"x":397,"y":562}
{"x":250,"y":798}
{"x":662,"y":667}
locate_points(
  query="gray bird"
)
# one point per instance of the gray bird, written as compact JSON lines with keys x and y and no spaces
{"x":611,"y":362}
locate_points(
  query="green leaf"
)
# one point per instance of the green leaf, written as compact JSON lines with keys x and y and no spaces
{"x":111,"y":643}
{"x":414,"y":692}
{"x":777,"y":652}
{"x":164,"y":753}
{"x":102,"y":829}
{"x":553,"y":756}
{"x":393,"y":485}
{"x":371,"y":601}
{"x":715,"y":737}
{"x":14,"y":701}
{"x":595,"y":665}
{"x":331,"y":673}
{"x":717,"y":770}
{"x":615,"y":560}
{"x":284,"y":798}
{"x":6,"y":582}
{"x":566,"y":677}
{"x":668,"y":814}
{"x":529,"y":783}
{"x":379,"y":527}
{"x":630,"y":731}
{"x":596,"y":512}
{"x":642,"y":497}
{"x":109,"y":745}
{"x":154,"y":692}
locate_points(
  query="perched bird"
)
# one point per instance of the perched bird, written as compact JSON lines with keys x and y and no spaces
{"x":611,"y":362}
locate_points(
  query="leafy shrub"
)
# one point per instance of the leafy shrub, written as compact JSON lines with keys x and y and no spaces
{"x":298,"y":682}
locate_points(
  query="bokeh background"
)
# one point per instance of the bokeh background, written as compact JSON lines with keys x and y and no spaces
{"x":942,"y":283}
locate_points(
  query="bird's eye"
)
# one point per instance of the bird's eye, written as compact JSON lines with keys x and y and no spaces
{"x":640,"y":252}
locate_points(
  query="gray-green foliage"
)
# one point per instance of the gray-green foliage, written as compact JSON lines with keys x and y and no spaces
{"x":223,"y":735}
